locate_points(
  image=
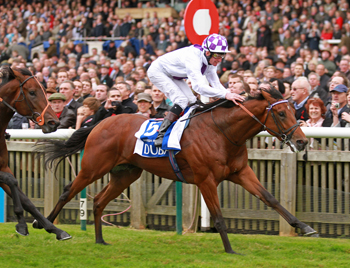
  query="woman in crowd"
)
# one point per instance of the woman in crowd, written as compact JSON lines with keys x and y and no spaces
{"x":316,"y":110}
{"x":144,"y":105}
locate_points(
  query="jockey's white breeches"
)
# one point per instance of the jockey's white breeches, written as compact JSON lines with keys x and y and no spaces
{"x":176,"y":90}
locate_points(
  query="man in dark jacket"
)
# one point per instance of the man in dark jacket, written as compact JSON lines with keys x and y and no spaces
{"x":104,"y":77}
{"x":111,"y":107}
{"x":159,"y":103}
{"x":67,"y":117}
{"x":300,"y":95}
{"x":67,"y":88}
{"x":324,"y":78}
{"x":125,"y":91}
{"x":338,"y":106}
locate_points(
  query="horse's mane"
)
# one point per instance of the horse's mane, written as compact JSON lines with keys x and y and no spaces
{"x":7,"y":74}
{"x":229,"y":104}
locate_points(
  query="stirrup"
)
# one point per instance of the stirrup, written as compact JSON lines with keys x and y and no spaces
{"x":158,"y":142}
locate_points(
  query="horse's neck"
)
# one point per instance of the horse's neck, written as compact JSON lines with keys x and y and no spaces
{"x":241,"y":125}
{"x":8,"y":94}
{"x":6,"y":115}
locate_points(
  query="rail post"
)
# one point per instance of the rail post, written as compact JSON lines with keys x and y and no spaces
{"x":83,"y":204}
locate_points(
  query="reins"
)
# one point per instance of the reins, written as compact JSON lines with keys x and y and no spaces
{"x":211,"y":108}
{"x":35,"y":117}
{"x":283,"y":134}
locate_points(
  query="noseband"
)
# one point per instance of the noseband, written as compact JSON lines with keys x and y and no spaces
{"x":35,"y":117}
{"x":282,"y":134}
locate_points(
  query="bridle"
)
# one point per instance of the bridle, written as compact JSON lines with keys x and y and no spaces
{"x":284,"y":135}
{"x":35,"y":117}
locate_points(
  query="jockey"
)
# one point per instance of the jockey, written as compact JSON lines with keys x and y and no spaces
{"x":168,"y":72}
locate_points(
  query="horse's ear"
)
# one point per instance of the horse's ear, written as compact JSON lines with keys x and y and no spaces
{"x":4,"y":72}
{"x":267,"y":96}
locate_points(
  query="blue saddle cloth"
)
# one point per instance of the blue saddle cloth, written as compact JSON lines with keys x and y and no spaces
{"x":149,"y":132}
{"x":148,"y":137}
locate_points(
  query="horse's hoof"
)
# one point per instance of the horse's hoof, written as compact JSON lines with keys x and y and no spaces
{"x":22,"y":229}
{"x":37,"y":225}
{"x":308,"y":231}
{"x":63,"y":236}
{"x":103,"y":243}
{"x":315,"y":235}
{"x":233,"y":252}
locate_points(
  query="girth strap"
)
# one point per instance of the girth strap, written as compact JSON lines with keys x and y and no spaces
{"x":175,"y":166}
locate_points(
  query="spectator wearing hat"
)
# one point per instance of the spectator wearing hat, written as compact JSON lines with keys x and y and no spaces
{"x":66,"y":116}
{"x":144,"y":105}
{"x":337,"y":107}
{"x":329,"y":65}
{"x":344,"y":115}
{"x":104,"y":76}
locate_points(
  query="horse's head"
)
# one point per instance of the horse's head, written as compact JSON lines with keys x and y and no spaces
{"x":280,"y":119}
{"x":23,"y":93}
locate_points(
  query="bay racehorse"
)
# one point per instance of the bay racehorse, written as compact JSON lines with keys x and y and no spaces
{"x":21,"y":92}
{"x":213,"y":150}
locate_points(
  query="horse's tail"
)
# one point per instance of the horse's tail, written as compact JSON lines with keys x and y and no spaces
{"x":57,"y":150}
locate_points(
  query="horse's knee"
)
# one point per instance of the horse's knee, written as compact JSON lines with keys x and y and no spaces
{"x":220,"y":225}
{"x":96,"y":206}
{"x":18,"y":210}
{"x":9,"y":179}
{"x":269,"y":199}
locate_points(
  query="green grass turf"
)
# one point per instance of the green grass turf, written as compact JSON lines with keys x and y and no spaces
{"x":147,"y":248}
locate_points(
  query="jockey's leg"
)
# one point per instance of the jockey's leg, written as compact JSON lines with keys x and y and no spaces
{"x":170,"y":117}
{"x":176,"y":90}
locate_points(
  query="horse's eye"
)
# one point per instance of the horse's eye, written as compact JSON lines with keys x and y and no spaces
{"x":31,"y":93}
{"x":281,"y":114}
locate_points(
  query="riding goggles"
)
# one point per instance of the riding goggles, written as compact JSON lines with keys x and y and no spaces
{"x":218,"y":56}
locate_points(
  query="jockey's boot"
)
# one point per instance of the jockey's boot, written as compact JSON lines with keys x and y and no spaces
{"x":171,"y":117}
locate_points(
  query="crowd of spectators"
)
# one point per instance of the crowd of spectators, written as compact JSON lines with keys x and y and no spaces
{"x":301,"y":47}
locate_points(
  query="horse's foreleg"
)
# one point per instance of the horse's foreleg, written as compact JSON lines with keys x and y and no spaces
{"x":119,"y":181}
{"x":72,"y":189}
{"x":208,"y":189}
{"x":8,"y":179}
{"x":47,"y":225}
{"x":248,"y":180}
